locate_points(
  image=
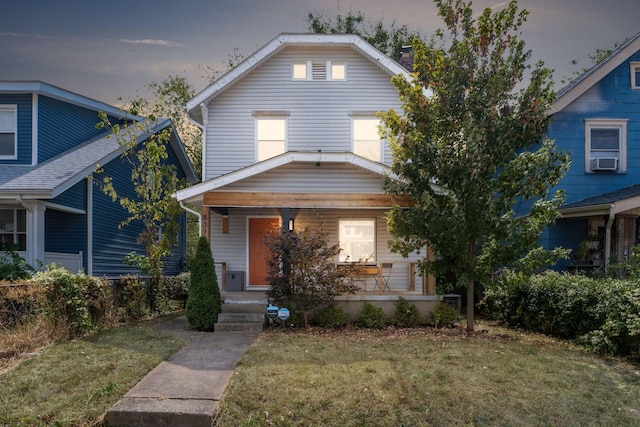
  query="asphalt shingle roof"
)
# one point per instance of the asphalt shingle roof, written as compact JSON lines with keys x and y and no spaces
{"x":612,"y":197}
{"x":50,"y":178}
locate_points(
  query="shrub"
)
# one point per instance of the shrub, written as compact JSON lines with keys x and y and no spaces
{"x":19,"y":303}
{"x":203,"y":303}
{"x":176,"y":288}
{"x":407,"y":314}
{"x":603,"y":314}
{"x":443,"y":315}
{"x":330,"y":317}
{"x":371,"y":317}
{"x":82,"y":302}
{"x":302,"y":274}
{"x":130,"y":298}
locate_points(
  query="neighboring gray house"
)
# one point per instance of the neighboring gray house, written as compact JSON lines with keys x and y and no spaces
{"x":49,"y":150}
{"x":291,"y":138}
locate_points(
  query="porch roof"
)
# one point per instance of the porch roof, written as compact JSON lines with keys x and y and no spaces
{"x":195,"y":195}
{"x":611,"y":203}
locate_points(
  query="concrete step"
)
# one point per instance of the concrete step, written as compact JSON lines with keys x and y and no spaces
{"x":240,"y":307}
{"x":241,"y":318}
{"x":238,"y":327}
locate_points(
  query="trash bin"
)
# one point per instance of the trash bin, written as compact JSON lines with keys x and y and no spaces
{"x":235,"y":280}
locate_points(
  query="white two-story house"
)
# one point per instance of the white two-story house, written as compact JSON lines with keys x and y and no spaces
{"x":291,"y":139}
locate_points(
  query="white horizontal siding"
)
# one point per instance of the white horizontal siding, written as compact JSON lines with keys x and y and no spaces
{"x":318,"y":110}
{"x":232,"y":246}
{"x":307,"y":177}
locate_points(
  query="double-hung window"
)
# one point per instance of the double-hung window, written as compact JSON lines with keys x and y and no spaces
{"x":366,"y":138}
{"x":8,"y":132}
{"x":270,"y":137}
{"x":605,"y":145}
{"x":357,"y":240}
{"x":13,"y":228}
{"x":319,"y":70}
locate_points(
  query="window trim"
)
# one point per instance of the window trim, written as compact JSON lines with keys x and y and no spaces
{"x":355,"y":118}
{"x":12,"y":108}
{"x":16,"y":231}
{"x":276,"y":117}
{"x":621,"y":125}
{"x":634,"y":67}
{"x":308,"y":64}
{"x":374,"y":258}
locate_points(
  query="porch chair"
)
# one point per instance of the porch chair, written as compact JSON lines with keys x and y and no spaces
{"x":385,"y":274}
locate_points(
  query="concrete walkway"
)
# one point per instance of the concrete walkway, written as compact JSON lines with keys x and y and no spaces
{"x":185,"y":389}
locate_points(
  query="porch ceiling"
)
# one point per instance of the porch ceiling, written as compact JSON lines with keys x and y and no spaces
{"x":304,"y":200}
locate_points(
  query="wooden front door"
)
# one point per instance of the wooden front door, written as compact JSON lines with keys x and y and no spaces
{"x":258,"y":252}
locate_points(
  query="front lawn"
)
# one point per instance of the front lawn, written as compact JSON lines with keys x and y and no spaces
{"x":74,"y":383}
{"x":426,"y":377}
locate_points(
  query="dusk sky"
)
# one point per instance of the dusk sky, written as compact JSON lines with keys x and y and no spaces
{"x":110,"y":50}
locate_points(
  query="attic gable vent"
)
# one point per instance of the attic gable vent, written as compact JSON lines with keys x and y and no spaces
{"x":604,"y":163}
{"x":318,"y":70}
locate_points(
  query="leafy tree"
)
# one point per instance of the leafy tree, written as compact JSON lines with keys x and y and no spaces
{"x":387,"y":39}
{"x":203,"y":303}
{"x":154,"y":180}
{"x":594,"y":58}
{"x":471,"y":150}
{"x":302,"y":273}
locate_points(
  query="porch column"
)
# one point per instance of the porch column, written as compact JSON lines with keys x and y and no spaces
{"x":205,"y":223}
{"x":35,"y":232}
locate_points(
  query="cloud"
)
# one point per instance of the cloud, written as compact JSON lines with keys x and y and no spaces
{"x":35,"y":36}
{"x":154,"y":42}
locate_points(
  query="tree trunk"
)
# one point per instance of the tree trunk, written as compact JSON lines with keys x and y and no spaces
{"x":470,"y":291}
{"x":470,"y":300}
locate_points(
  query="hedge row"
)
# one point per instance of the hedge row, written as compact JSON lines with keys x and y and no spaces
{"x":602,"y":314}
{"x":83,"y":303}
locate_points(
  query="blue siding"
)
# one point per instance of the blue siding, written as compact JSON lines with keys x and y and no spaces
{"x":611,"y":98}
{"x":25,"y":112}
{"x":62,"y":126}
{"x":66,"y":233}
{"x":112,"y":243}
{"x":75,"y":197}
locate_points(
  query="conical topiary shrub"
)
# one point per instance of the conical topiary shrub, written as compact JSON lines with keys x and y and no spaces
{"x":203,"y":304}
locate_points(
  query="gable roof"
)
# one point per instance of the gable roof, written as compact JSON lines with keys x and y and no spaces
{"x":586,"y":81}
{"x":51,"y":178}
{"x":19,"y":87}
{"x":194,"y":106}
{"x":194,"y":193}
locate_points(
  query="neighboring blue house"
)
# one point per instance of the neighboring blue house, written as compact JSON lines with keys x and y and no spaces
{"x":49,"y":150}
{"x":597,"y":119}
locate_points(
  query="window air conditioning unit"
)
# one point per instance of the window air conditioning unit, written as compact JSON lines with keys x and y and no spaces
{"x":604,"y":163}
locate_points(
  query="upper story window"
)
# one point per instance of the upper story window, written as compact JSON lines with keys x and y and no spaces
{"x":357,"y":240}
{"x":319,"y":70}
{"x":8,"y":132}
{"x":366,"y":139}
{"x":605,"y":145}
{"x":13,"y":228}
{"x":635,"y":75}
{"x":270,"y":137}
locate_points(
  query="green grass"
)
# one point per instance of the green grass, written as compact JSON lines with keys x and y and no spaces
{"x":424,"y":377}
{"x":74,"y":383}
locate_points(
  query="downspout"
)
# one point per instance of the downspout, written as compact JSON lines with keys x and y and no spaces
{"x":195,"y":212}
{"x":607,"y":238}
{"x":21,"y":203}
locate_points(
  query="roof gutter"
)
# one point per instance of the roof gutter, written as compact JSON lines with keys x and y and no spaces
{"x":592,"y":210}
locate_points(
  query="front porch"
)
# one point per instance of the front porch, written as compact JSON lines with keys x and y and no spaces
{"x":352,"y":304}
